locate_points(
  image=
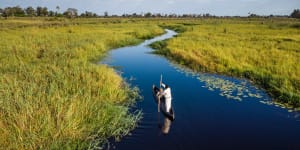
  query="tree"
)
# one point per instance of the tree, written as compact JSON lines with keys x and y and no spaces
{"x":71,"y":12}
{"x":51,"y":13}
{"x":253,"y":15}
{"x":8,"y":11}
{"x":39,"y":11}
{"x":87,"y":14}
{"x":148,"y":14}
{"x":57,"y":13}
{"x":134,"y":15}
{"x":57,"y":9}
{"x":44,"y":11}
{"x":30,"y":11}
{"x":18,"y":11}
{"x":13,"y":11}
{"x":206,"y":15}
{"x":1,"y":11}
{"x":295,"y":13}
{"x":158,"y":15}
{"x":105,"y":14}
{"x":172,"y":15}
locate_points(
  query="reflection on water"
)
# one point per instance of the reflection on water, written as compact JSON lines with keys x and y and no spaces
{"x":165,"y":127}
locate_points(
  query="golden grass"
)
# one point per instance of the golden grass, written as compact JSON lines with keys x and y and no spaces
{"x":51,"y":94}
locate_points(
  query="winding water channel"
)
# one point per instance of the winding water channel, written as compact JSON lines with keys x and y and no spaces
{"x":212,"y":111}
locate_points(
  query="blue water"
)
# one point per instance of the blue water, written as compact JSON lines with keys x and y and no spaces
{"x":212,"y":111}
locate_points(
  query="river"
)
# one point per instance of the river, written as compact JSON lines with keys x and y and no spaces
{"x":212,"y":111}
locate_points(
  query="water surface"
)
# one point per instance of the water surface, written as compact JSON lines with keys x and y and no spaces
{"x":212,"y":111}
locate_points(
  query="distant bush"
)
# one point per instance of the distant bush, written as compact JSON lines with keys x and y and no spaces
{"x":295,"y":13}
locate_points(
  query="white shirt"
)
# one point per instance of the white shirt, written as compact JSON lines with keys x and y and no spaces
{"x":166,"y":92}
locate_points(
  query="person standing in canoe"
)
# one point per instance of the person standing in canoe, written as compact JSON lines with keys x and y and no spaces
{"x":167,"y":95}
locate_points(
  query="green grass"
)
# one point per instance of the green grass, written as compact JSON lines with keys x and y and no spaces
{"x":52,"y":95}
{"x":266,"y":51}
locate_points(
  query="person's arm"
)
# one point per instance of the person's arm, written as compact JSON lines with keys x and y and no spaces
{"x":158,"y":93}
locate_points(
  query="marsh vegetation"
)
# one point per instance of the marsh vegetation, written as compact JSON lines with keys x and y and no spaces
{"x":52,"y":94}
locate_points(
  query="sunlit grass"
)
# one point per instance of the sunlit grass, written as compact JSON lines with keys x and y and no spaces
{"x":266,"y":51}
{"x":52,"y":95}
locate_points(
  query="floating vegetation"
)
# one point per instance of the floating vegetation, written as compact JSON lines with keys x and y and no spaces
{"x":226,"y":86}
{"x":280,"y":105}
{"x":132,"y":78}
{"x":266,"y":102}
{"x":230,"y":89}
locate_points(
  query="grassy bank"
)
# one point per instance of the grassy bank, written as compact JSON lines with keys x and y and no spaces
{"x":266,"y":51}
{"x":51,"y":94}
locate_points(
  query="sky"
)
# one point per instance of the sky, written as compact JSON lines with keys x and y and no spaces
{"x":119,"y":7}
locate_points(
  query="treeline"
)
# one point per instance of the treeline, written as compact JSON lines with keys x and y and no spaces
{"x":294,"y":14}
{"x":39,"y":11}
{"x":72,"y":13}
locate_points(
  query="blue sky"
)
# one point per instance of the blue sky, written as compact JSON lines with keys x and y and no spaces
{"x":215,"y":7}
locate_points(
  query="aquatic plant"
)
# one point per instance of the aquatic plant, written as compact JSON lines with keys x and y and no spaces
{"x":227,"y":87}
